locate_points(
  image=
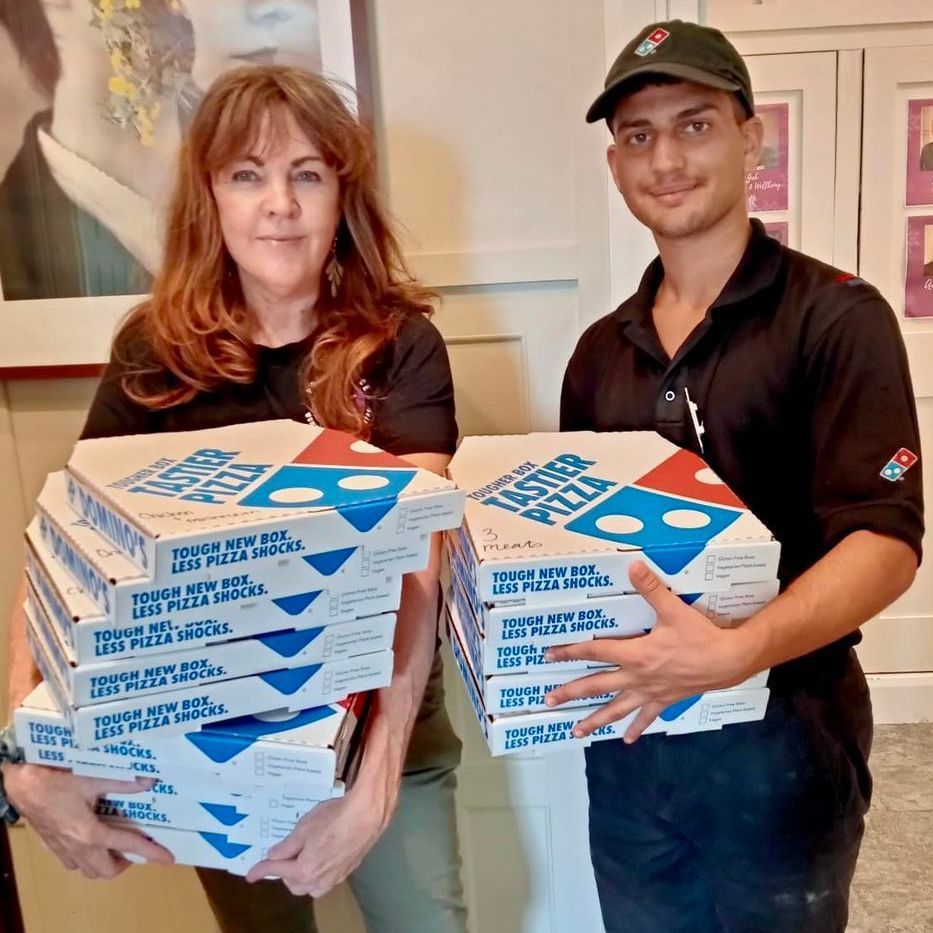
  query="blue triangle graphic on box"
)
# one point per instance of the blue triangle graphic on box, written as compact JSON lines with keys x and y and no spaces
{"x":223,"y":741}
{"x":223,"y":845}
{"x":289,"y":643}
{"x":681,"y":706}
{"x":290,"y":680}
{"x":366,"y":516}
{"x":224,"y":813}
{"x":295,"y":605}
{"x":653,"y":522}
{"x":301,"y":486}
{"x":330,"y":561}
{"x":690,"y":598}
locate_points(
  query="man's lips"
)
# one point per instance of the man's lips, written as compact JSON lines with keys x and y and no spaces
{"x":671,"y":190}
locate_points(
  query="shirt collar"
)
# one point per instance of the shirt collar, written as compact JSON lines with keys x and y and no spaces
{"x":127,"y":214}
{"x":757,"y":270}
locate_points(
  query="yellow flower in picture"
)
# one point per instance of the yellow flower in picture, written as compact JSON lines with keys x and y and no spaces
{"x":118,"y":62}
{"x":132,"y":4}
{"x":119,"y":85}
{"x":106,"y":8}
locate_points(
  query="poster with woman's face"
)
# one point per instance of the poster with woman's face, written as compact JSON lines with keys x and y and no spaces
{"x":920,"y":152}
{"x":767,"y":185}
{"x":101,"y":93}
{"x":918,"y":300}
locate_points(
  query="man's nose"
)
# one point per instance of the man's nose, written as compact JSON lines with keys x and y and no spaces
{"x":667,"y":154}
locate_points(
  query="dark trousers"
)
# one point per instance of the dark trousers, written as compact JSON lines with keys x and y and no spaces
{"x":752,"y":829}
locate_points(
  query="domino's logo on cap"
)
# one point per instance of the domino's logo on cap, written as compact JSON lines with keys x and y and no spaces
{"x":650,"y":43}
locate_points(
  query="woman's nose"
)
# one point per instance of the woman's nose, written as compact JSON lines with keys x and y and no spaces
{"x":280,"y":199}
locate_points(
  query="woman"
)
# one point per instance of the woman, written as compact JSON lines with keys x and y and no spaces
{"x":283,"y":294}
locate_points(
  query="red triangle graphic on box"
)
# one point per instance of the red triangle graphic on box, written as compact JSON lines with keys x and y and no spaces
{"x":334,"y":448}
{"x":678,"y":476}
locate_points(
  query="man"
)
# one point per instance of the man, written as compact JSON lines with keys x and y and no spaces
{"x":804,"y":407}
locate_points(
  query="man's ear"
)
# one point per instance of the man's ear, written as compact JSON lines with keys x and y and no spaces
{"x":753,"y":135}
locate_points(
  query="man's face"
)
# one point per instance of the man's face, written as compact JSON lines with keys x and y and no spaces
{"x":680,"y":156}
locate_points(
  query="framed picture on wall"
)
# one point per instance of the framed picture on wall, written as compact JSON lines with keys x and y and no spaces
{"x":918,"y":299}
{"x":767,"y":186}
{"x":100,"y":92}
{"x":778,"y":230}
{"x":920,"y":151}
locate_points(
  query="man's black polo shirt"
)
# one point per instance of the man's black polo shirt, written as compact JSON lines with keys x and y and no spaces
{"x":801,"y":383}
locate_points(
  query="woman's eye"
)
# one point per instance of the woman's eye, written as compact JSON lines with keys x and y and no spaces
{"x":307,"y":175}
{"x":244,"y":174}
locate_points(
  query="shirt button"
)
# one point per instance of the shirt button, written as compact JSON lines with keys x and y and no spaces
{"x":670,"y":395}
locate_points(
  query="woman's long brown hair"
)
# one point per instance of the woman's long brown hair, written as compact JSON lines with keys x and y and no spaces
{"x":196,"y":327}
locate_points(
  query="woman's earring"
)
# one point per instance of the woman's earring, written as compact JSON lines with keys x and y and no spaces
{"x":334,"y":270}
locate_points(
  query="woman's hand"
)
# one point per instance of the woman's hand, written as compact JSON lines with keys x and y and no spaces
{"x":328,"y":843}
{"x":59,"y":806}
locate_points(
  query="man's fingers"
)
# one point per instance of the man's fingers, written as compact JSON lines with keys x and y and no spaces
{"x":592,"y":686}
{"x":128,"y":842}
{"x":650,"y":586}
{"x":604,"y":650}
{"x":646,"y":715}
{"x":617,"y":709}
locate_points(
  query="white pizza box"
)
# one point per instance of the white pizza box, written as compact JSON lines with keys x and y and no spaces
{"x":511,"y":693}
{"x":206,"y":850}
{"x":176,"y":503}
{"x":205,"y":814}
{"x":303,"y":753}
{"x":553,"y":730}
{"x":184,"y":708}
{"x":513,"y":639}
{"x":103,"y":681}
{"x":552,"y":516}
{"x":112,"y":597}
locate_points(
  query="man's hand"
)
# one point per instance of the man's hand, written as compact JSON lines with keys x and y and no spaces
{"x":60,"y":808}
{"x":327,"y":845}
{"x":685,"y":654}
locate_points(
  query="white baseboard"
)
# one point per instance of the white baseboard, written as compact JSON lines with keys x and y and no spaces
{"x":902,"y":697}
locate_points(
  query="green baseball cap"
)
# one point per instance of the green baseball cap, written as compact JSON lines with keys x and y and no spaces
{"x":683,"y":50}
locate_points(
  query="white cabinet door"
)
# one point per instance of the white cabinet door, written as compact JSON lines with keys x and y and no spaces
{"x":793,"y":192}
{"x":501,"y":187}
{"x":896,"y":241}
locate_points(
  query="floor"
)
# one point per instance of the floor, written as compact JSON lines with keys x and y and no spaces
{"x":893,"y":888}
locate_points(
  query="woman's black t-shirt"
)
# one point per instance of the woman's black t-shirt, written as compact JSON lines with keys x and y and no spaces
{"x":408,"y":394}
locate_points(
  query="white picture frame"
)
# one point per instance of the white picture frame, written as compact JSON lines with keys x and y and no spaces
{"x":60,"y":337}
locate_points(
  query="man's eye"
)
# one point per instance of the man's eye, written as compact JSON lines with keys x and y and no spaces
{"x":637,"y":139}
{"x":697,"y":126}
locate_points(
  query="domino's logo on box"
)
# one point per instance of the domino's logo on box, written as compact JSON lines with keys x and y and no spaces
{"x":899,"y":464}
{"x":671,"y":512}
{"x":349,"y":491}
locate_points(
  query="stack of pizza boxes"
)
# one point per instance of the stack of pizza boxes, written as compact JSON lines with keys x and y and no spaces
{"x":210,"y":608}
{"x":552,"y":524}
